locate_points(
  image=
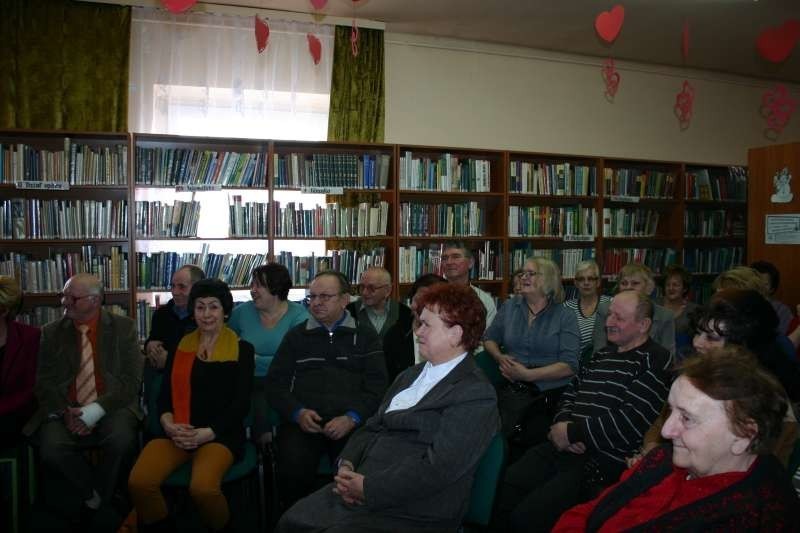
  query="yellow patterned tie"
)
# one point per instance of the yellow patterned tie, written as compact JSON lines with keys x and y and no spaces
{"x":85,"y":386}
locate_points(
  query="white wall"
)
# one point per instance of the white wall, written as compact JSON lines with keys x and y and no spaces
{"x":446,"y":92}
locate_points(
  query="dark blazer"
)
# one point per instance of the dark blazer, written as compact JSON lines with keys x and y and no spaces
{"x":120,"y":361}
{"x":18,"y":370}
{"x":419,"y":462}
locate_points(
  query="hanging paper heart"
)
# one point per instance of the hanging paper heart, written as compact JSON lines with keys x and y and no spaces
{"x":611,"y":77}
{"x":318,"y":4}
{"x":685,"y":40}
{"x":178,"y":6}
{"x":684,"y":104}
{"x":775,"y":44}
{"x":315,"y":47}
{"x":354,"y":39}
{"x":777,"y":107}
{"x":609,"y":23}
{"x":262,"y":34}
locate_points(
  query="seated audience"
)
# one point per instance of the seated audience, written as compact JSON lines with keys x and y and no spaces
{"x":203,"y":403}
{"x":677,"y":282}
{"x":601,"y":419}
{"x":772,"y":277}
{"x":588,"y":283}
{"x":535,"y":341}
{"x":87,"y":385}
{"x":19,"y":345}
{"x":327,"y":378}
{"x":636,"y":277}
{"x":411,"y":466}
{"x":717,"y":474}
{"x":263,"y":322}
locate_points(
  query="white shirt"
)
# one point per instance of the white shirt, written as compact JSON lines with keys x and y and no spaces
{"x":427,"y":379}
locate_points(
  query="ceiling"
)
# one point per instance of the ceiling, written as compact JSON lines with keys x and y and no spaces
{"x":722,"y":32}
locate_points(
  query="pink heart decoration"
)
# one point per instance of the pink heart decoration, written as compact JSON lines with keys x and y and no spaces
{"x":262,"y":34}
{"x":178,"y":6}
{"x":315,"y":47}
{"x":609,"y":23}
{"x":611,"y":77}
{"x":685,"y":40}
{"x":775,"y":44}
{"x":777,"y":107}
{"x":684,"y":104}
{"x":318,"y":4}
{"x":354,"y":39}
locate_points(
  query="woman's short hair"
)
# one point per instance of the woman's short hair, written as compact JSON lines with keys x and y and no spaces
{"x":551,"y":277}
{"x":680,"y":272}
{"x":457,"y":305}
{"x":212,"y":288}
{"x":733,"y":375}
{"x":588,"y":264}
{"x":275,"y":277}
{"x":741,"y":277}
{"x":637,"y":269}
{"x":425,"y":280}
{"x":10,"y":296}
{"x":742,"y":317}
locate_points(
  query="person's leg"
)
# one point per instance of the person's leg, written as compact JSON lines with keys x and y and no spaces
{"x":209,"y":464}
{"x":297,"y":461}
{"x":62,"y":452}
{"x":117,"y":436}
{"x":512,"y":405}
{"x":157,"y":461}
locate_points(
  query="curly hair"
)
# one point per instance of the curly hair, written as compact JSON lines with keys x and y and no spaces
{"x":457,"y":305}
{"x":212,"y":288}
{"x":741,"y":316}
{"x":751,"y":394}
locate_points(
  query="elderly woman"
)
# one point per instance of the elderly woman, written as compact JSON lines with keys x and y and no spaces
{"x":19,"y":345}
{"x":677,"y":282}
{"x":587,"y":281}
{"x":263,"y":322}
{"x":535,"y":342}
{"x":717,"y":474}
{"x":410,"y":467}
{"x":204,"y":400}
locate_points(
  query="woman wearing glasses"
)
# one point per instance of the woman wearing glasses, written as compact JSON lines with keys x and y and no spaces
{"x":535,"y":341}
{"x":587,"y":281}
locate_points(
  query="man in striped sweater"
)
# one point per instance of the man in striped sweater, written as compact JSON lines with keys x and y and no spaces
{"x":602,"y":417}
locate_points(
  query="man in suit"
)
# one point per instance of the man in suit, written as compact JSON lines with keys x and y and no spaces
{"x":87,"y":385}
{"x":411,"y":467}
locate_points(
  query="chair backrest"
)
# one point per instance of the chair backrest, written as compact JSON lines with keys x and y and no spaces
{"x":484,"y":486}
{"x":152,"y":421}
{"x":489,"y":366}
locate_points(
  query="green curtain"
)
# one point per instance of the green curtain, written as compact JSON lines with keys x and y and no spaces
{"x":357,"y":88}
{"x":64,"y":65}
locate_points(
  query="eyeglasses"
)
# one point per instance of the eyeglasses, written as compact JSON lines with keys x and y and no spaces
{"x":324,"y":298}
{"x":529,"y":274}
{"x":454,"y":257}
{"x":584,"y":279}
{"x":70,"y":298}
{"x":372,"y":288}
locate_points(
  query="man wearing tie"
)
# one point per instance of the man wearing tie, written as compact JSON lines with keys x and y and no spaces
{"x":87,"y":386}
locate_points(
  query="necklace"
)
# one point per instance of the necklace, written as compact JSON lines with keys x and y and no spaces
{"x":594,"y":308}
{"x":535,"y":314}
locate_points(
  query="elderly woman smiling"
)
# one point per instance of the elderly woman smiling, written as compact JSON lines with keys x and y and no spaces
{"x":717,"y":474}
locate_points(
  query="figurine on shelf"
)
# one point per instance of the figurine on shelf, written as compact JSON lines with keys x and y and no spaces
{"x":783,"y":188}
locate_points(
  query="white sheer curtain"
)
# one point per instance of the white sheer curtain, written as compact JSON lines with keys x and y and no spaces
{"x":201,"y":74}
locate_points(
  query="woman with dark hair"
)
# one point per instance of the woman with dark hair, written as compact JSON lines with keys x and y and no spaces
{"x":677,"y":282}
{"x":411,"y":466}
{"x":203,"y":402}
{"x":717,"y":474}
{"x":263,"y":322}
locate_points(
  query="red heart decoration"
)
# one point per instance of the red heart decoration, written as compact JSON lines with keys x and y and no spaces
{"x":609,"y":23}
{"x":315,"y":47}
{"x":775,"y":44}
{"x":178,"y":6}
{"x":262,"y":34}
{"x":318,"y":4}
{"x":685,"y":40}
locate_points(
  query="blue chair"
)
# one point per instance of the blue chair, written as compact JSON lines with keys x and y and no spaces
{"x":484,"y":486}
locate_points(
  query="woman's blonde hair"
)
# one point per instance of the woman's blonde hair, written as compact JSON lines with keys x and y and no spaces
{"x":551,"y":277}
{"x":742,"y":277}
{"x":10,"y":296}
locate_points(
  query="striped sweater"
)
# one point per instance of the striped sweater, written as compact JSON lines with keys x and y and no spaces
{"x":615,"y":398}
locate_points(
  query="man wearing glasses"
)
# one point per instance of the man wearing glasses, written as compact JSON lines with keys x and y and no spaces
{"x":328,"y":376}
{"x":87,"y":386}
{"x":376,"y":309}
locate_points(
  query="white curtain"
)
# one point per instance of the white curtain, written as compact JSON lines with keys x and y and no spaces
{"x":201,"y":74}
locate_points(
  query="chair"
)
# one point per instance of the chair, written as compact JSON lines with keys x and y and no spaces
{"x":484,"y":486}
{"x":490,"y":367}
{"x":20,"y":463}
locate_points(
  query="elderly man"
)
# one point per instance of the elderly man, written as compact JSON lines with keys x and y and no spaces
{"x":375,"y":308}
{"x":601,"y":419}
{"x":328,"y":376}
{"x":457,"y":261}
{"x":636,"y":277}
{"x":87,"y":386}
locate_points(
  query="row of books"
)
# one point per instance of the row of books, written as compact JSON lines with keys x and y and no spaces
{"x":552,"y":179}
{"x":414,"y":261}
{"x":447,"y":173}
{"x":41,"y":315}
{"x":442,"y":220}
{"x":248,"y":219}
{"x":144,"y":318}
{"x":566,"y":258}
{"x":630,"y":222}
{"x":63,"y":219}
{"x":49,"y":275}
{"x":730,"y":186}
{"x":713,"y":260}
{"x":632,"y":182}
{"x":349,"y":171}
{"x":77,"y":164}
{"x":156,"y":219}
{"x":351,"y":263}
{"x":333,"y":220}
{"x":159,"y":166}
{"x":546,"y":221}
{"x":155,"y":270}
{"x":655,"y":258}
{"x":714,"y":223}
